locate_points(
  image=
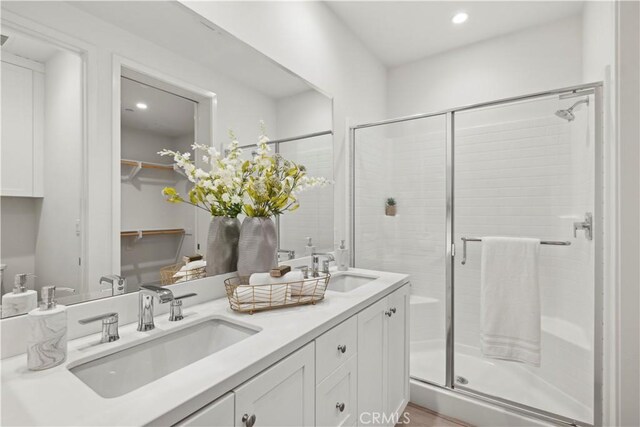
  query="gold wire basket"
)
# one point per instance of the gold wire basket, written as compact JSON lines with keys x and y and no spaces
{"x":167,"y":274}
{"x":252,"y":298}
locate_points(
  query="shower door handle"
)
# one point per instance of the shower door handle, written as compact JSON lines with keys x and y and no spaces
{"x":586,"y":226}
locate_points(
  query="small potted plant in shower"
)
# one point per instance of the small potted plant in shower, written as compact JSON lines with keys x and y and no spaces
{"x":390,"y":207}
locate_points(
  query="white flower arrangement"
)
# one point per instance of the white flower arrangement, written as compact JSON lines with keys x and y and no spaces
{"x":219,"y":191}
{"x":264,"y":186}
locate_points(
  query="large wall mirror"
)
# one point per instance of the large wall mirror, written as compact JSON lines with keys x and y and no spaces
{"x":82,"y":203}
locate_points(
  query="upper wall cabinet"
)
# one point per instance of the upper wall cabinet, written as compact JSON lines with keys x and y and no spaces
{"x":22,"y":127}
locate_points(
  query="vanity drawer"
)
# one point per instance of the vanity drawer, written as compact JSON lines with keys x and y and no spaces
{"x":335,"y":347}
{"x":338,"y":391}
{"x":219,"y":413}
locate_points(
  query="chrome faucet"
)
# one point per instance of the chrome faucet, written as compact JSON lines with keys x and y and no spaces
{"x":109,"y":326}
{"x":145,"y":304}
{"x":175,"y":310}
{"x":118,"y":283}
{"x":290,"y":253}
{"x":315,"y":263}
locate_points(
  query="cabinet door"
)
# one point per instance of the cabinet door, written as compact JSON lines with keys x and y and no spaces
{"x":398,"y":350}
{"x":372,"y":363}
{"x":336,"y":396}
{"x":17,"y":130}
{"x":283,"y":395}
{"x":216,"y":414}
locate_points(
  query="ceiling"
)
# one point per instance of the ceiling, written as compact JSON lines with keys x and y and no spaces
{"x":166,"y":113}
{"x":26,"y":47}
{"x":398,"y":32}
{"x":194,"y":38}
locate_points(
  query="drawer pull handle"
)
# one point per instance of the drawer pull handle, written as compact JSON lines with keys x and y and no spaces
{"x":249,"y":421}
{"x":342,"y":348}
{"x":388,"y":313}
{"x":340,"y":406}
{"x":393,"y":310}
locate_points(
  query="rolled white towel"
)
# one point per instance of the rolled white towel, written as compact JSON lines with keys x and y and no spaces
{"x":266,"y":279}
{"x":193,"y":265}
{"x":275,"y":294}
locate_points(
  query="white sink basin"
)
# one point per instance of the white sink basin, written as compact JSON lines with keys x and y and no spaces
{"x":129,"y":369}
{"x":346,"y":282}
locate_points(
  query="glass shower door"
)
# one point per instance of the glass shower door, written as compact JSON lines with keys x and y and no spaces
{"x":400,"y":206}
{"x":526,"y":169}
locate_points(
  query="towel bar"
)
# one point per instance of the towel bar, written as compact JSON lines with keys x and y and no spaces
{"x":477,"y":239}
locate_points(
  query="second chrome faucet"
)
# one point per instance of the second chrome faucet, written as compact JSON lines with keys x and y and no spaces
{"x":146,"y":297}
{"x":145,"y":304}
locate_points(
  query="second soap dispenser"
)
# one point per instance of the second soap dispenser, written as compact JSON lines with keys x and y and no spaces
{"x":47,"y":339}
{"x":342,"y":257}
{"x":21,"y":300}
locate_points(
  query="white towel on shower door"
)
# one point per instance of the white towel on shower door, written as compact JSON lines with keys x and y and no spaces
{"x":510,"y":299}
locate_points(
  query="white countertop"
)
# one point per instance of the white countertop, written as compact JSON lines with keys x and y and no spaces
{"x":56,"y":397}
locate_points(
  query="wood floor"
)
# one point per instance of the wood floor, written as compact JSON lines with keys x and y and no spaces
{"x":422,"y":417}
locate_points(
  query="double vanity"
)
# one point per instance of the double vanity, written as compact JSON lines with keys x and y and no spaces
{"x":343,"y":361}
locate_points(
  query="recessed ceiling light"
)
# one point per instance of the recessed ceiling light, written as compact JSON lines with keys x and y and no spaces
{"x":459,"y":18}
{"x":141,"y":105}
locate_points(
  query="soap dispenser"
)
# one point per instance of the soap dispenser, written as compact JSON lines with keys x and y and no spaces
{"x":309,"y":249}
{"x":342,"y":257}
{"x":21,"y":300}
{"x":47,"y":339}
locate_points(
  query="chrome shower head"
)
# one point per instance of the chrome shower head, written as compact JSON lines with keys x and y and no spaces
{"x":568,"y":113}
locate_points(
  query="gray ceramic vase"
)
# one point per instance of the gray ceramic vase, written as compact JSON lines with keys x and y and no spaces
{"x":222,"y":245}
{"x":258,"y":246}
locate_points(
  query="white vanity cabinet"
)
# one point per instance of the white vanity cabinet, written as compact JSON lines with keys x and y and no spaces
{"x":283,"y":395}
{"x":383,"y":359}
{"x":357,"y":373}
{"x":22,"y":127}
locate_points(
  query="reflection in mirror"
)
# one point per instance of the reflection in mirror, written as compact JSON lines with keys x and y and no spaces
{"x":155,"y":235}
{"x":53,"y":158}
{"x":314,"y":218}
{"x":42,"y":170}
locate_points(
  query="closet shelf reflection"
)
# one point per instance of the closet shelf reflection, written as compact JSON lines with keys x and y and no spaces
{"x":139,"y":234}
{"x":139,"y":165}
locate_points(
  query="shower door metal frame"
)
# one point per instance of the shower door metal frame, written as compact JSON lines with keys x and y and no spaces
{"x":595,"y":89}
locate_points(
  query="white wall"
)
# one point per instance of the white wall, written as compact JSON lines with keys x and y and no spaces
{"x":311,"y":41}
{"x":532,"y":60}
{"x":303,"y":113}
{"x":19,"y":234}
{"x":628,"y":133}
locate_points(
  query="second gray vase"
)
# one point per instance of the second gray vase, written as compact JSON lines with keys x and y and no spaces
{"x":222,"y":245}
{"x":257,"y":246}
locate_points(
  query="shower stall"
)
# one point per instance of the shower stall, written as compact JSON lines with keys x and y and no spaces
{"x":522,"y":167}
